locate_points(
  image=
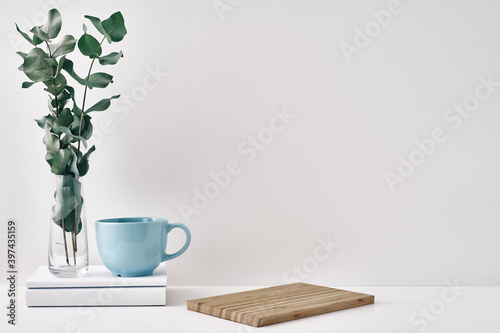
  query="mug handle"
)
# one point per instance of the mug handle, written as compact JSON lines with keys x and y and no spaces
{"x":169,"y":226}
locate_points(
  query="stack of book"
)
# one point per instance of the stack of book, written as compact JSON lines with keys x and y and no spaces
{"x":96,"y":288}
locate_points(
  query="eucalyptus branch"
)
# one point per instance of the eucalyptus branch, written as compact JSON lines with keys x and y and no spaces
{"x":65,"y":243}
{"x":85,"y":94}
{"x":63,"y":128}
{"x":59,"y":138}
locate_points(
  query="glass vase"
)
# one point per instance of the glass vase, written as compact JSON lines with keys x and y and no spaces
{"x":68,"y":251}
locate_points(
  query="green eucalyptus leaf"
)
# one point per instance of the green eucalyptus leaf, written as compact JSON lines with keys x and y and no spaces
{"x":65,"y":46}
{"x":75,"y":185}
{"x":22,"y":54}
{"x":76,"y":109}
{"x":27,"y":84}
{"x":89,"y":152}
{"x":102,"y":105}
{"x":68,"y":67}
{"x":68,"y":204}
{"x":49,"y":105}
{"x":97,"y":23}
{"x":115,"y":27}
{"x":72,"y":166}
{"x":70,"y":137}
{"x":36,"y":40}
{"x":71,"y":91}
{"x":70,"y":220}
{"x":83,"y":164}
{"x":49,"y":157}
{"x":38,"y":32}
{"x":51,"y":141}
{"x":64,"y":120}
{"x":62,"y":98}
{"x":57,"y":85}
{"x":65,"y":203}
{"x":75,"y":126}
{"x":84,"y":28}
{"x":65,"y":139}
{"x":51,"y":28}
{"x":53,"y":24}
{"x":111,"y":58}
{"x":28,"y":38}
{"x":61,"y":106}
{"x":60,"y":161}
{"x":37,"y":65}
{"x":89,"y":46}
{"x":54,"y":90}
{"x":51,"y":61}
{"x":50,"y":120}
{"x":60,"y":65}
{"x":56,"y":80}
{"x":100,"y":80}
{"x":86,"y":128}
{"x":41,"y":121}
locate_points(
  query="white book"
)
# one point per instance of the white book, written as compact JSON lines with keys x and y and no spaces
{"x":115,"y":296}
{"x":96,"y":288}
{"x":97,"y":276}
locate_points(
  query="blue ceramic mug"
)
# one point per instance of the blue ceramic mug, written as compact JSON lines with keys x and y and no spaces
{"x":135,"y":246}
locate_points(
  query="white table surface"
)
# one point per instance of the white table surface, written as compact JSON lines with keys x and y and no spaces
{"x":396,"y":310}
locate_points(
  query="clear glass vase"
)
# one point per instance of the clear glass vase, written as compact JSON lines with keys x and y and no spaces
{"x":68,"y":251}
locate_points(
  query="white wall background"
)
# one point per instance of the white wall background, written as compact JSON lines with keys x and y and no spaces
{"x":321,"y":178}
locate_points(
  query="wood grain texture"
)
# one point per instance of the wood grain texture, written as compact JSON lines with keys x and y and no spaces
{"x":273,"y":305}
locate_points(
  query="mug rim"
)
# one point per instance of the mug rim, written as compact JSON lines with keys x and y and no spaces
{"x":131,"y":220}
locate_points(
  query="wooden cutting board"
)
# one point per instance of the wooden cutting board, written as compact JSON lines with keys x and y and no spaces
{"x":273,"y":305}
